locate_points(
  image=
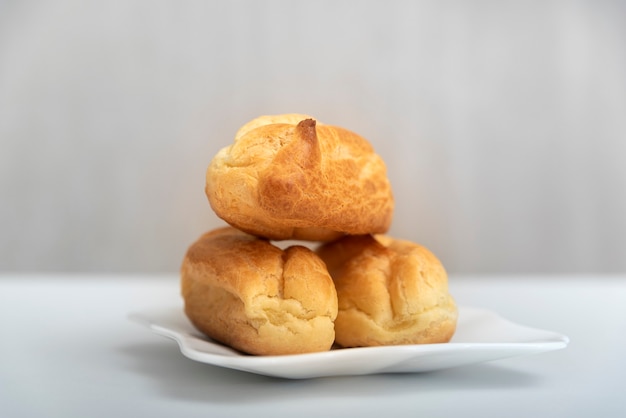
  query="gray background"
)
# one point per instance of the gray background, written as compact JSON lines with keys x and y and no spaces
{"x":503,"y":124}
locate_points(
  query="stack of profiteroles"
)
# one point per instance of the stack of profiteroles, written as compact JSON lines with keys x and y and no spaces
{"x":291,"y":178}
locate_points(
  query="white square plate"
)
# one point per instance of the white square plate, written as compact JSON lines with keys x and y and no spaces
{"x":481,"y":336}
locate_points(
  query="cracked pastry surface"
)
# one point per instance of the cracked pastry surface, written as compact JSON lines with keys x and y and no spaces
{"x":291,"y":177}
{"x":257,"y":298}
{"x":390,"y":292}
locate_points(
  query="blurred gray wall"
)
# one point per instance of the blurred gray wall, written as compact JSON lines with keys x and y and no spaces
{"x":503,"y":124}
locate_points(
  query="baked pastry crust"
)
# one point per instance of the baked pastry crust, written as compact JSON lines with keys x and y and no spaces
{"x":290,"y":177}
{"x":390,"y":292}
{"x":251,"y":295}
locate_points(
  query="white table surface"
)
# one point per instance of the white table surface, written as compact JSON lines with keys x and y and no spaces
{"x":68,"y":350}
